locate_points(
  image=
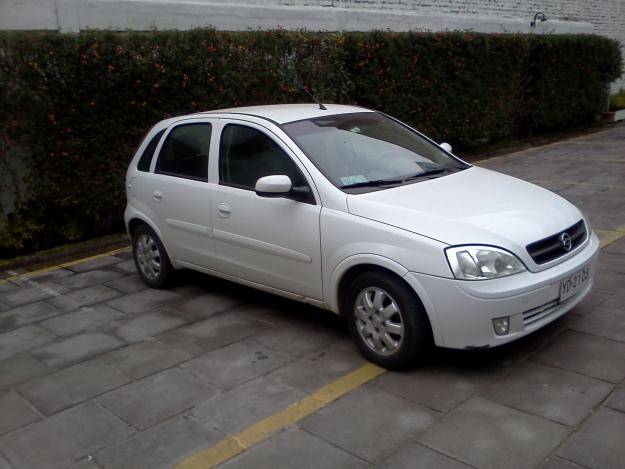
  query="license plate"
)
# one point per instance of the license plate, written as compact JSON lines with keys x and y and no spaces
{"x":571,"y":285}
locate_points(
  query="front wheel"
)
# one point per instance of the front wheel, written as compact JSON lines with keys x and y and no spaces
{"x":387,"y":321}
{"x":151,"y":258}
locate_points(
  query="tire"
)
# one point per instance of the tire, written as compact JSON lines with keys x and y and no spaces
{"x":387,"y":321}
{"x":151,"y":259}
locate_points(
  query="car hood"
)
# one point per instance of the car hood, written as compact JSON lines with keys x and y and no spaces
{"x":473,"y":206}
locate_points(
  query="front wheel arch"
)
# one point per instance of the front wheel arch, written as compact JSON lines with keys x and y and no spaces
{"x":420,"y":335}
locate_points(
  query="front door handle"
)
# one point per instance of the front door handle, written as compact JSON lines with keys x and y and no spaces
{"x":224,"y":210}
{"x":157,"y":195}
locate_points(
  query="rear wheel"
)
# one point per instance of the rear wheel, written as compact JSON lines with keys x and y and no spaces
{"x":387,"y":321}
{"x":151,"y":258}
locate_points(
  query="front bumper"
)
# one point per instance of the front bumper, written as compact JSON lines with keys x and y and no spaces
{"x":462,"y":312}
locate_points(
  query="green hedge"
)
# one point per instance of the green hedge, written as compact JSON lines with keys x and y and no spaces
{"x":80,"y":103}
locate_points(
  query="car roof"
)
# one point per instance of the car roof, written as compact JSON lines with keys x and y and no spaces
{"x":284,"y":113}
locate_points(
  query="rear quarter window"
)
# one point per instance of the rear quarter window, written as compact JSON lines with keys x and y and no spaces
{"x":148,"y":153}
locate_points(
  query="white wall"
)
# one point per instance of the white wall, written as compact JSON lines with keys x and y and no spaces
{"x":605,"y":17}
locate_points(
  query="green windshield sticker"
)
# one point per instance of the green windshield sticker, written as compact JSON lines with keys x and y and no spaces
{"x":345,"y":180}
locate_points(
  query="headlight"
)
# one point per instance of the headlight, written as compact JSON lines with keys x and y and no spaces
{"x":482,"y":262}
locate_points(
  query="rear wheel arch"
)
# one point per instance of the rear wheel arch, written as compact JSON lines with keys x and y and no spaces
{"x":134,"y":224}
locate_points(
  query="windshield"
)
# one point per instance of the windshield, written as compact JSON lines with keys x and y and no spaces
{"x":369,"y":150}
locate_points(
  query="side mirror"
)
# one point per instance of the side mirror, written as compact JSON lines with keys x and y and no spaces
{"x":273,"y":186}
{"x":446,"y":146}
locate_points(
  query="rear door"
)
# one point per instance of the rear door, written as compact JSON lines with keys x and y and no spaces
{"x":179,"y":192}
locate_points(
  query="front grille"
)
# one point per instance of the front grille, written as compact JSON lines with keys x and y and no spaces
{"x":552,"y":247}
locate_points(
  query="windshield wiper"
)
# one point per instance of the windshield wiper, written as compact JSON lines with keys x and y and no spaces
{"x":375,"y":183}
{"x":386,"y":182}
{"x":426,"y":174}
{"x":402,"y":180}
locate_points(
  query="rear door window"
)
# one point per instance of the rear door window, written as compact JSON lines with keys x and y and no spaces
{"x":185,"y":152}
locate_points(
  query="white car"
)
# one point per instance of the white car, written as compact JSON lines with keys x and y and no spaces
{"x":352,"y":211}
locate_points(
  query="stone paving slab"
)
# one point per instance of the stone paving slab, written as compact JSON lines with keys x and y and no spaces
{"x":379,"y":422}
{"x":305,"y":451}
{"x":153,"y":355}
{"x":148,"y":325}
{"x":30,"y":294}
{"x":27,"y":314}
{"x":617,"y":401}
{"x":153,"y":399}
{"x":600,"y":441}
{"x":76,"y":348}
{"x":126,"y":267}
{"x":128,"y":284}
{"x":612,"y":263}
{"x":89,"y":279}
{"x":413,"y":455}
{"x":4,"y":464}
{"x":86,"y":463}
{"x":84,"y":297}
{"x":19,"y":369}
{"x":23,"y":339}
{"x":587,"y":354}
{"x":85,"y":429}
{"x":437,"y":387}
{"x":559,"y":463}
{"x":220,"y":330}
{"x":485,"y":434}
{"x":617,"y":300}
{"x":244,"y":405}
{"x":317,"y":369}
{"x":85,"y":319}
{"x":603,"y":322}
{"x":66,"y":388}
{"x":548,"y":392}
{"x":207,"y":304}
{"x":100,"y":261}
{"x":16,"y":412}
{"x":159,"y":447}
{"x":617,"y":247}
{"x":144,"y":300}
{"x":235,"y":364}
{"x":7,"y":287}
{"x":299,"y":338}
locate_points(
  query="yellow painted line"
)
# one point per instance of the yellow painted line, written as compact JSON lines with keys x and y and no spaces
{"x":260,"y":431}
{"x":52,"y":268}
{"x":608,"y":237}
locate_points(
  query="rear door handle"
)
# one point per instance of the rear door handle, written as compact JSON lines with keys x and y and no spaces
{"x":224,"y":210}
{"x":157,"y":195}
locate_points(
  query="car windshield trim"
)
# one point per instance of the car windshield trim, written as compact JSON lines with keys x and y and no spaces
{"x":335,"y":124}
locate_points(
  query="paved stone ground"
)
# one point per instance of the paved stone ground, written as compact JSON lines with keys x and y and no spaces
{"x":98,"y":371}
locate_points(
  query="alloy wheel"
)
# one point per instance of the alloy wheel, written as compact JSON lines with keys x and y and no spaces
{"x":148,"y":256}
{"x":379,"y":321}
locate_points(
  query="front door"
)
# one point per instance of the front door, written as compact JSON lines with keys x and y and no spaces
{"x":271,"y":241}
